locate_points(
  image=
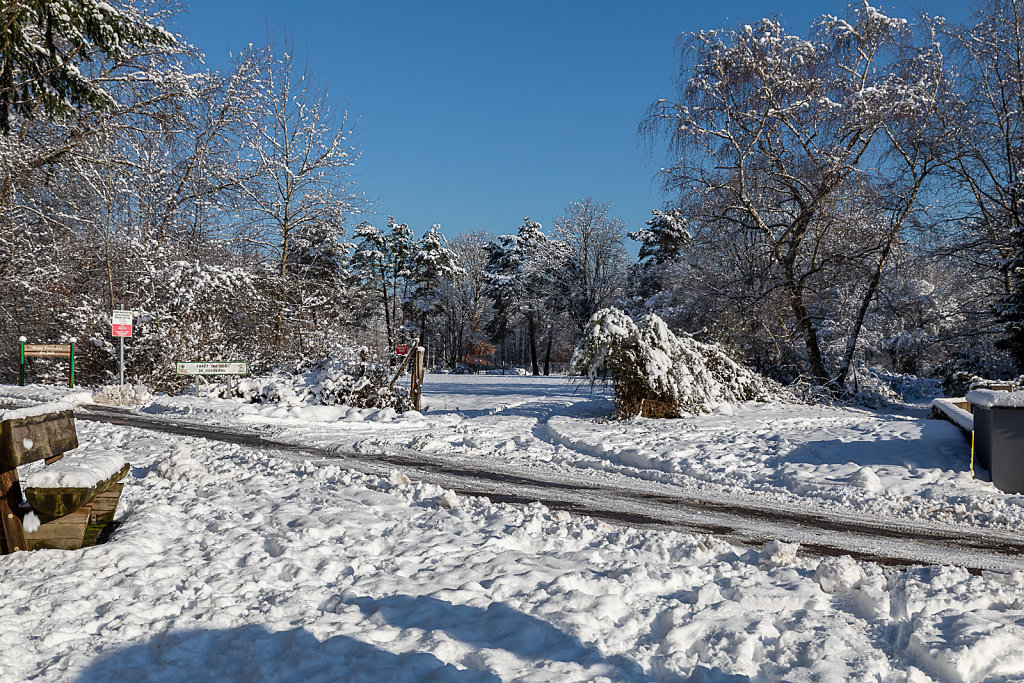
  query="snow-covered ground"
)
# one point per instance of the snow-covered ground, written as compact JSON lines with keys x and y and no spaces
{"x":238,"y":564}
{"x":891,"y":464}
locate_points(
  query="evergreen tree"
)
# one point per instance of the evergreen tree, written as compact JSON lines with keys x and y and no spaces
{"x":382,"y":263}
{"x":433,"y":263}
{"x":665,"y":235}
{"x":42,"y":42}
{"x":519,"y":276}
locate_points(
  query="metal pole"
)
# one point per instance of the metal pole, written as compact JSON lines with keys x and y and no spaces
{"x":197,"y":386}
{"x":21,"y":365}
{"x":122,"y":361}
{"x":71,"y":378}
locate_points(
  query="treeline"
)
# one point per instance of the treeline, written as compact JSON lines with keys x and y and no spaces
{"x":843,"y":197}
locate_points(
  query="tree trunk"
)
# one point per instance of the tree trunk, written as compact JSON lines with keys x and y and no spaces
{"x":858,"y":323}
{"x":547,"y":351}
{"x":531,"y":329}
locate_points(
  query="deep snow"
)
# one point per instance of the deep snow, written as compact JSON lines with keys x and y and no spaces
{"x":237,"y":564}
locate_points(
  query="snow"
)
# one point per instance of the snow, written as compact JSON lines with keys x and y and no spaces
{"x":987,"y":398}
{"x":232,"y":563}
{"x":36,"y":411}
{"x":958,"y":415}
{"x":76,"y":470}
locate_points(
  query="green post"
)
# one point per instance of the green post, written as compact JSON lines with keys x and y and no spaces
{"x":71,"y":379}
{"x":21,"y":362}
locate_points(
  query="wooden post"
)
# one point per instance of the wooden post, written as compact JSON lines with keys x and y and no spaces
{"x":10,"y":520}
{"x":416,"y":387}
{"x":401,"y":368}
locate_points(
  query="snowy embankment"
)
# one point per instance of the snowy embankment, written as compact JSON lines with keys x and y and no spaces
{"x":237,"y":564}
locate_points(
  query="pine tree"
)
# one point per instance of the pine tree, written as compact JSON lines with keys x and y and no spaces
{"x":42,"y":42}
{"x":519,"y":275}
{"x":665,"y":236}
{"x":433,"y":263}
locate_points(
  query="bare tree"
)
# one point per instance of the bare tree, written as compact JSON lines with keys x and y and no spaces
{"x":594,"y":259}
{"x":299,"y":180}
{"x":775,"y":137}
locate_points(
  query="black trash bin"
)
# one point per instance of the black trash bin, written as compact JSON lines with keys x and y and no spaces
{"x":999,"y":436}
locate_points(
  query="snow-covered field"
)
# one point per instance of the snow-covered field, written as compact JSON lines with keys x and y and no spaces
{"x":239,"y":564}
{"x":890,"y":464}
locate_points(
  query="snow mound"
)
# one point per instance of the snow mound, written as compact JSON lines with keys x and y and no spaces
{"x":122,"y":395}
{"x":839,"y":574}
{"x":348,"y":377}
{"x":659,"y":374}
{"x":180,"y":465}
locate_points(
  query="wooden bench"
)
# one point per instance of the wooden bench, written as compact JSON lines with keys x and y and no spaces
{"x":68,"y":514}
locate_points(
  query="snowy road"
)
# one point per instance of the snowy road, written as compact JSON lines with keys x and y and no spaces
{"x":646,"y":504}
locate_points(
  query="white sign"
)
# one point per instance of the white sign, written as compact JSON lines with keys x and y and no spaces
{"x":213,"y":368}
{"x":121,"y":322}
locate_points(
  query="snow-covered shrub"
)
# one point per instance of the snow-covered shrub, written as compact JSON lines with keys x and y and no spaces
{"x":959,"y":383}
{"x":875,"y":387}
{"x":658,"y":374}
{"x":348,"y":377}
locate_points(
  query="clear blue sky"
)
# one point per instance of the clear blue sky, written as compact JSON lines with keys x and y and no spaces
{"x":474,"y":114}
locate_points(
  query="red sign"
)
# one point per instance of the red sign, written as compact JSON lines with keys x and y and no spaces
{"x":121,"y":323}
{"x":402,"y":349}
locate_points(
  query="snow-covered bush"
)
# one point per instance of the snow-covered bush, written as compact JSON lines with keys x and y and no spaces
{"x":874,"y":387}
{"x":658,"y":374}
{"x":351,"y":377}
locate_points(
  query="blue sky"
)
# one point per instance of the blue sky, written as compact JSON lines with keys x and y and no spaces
{"x":474,"y":114}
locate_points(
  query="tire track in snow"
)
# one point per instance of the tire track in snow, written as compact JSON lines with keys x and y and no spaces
{"x":744,"y":521}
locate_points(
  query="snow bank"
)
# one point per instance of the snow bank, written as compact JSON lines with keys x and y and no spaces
{"x":122,"y":395}
{"x":349,"y":377}
{"x":987,"y":398}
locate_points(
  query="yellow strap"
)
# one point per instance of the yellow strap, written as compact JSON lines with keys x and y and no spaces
{"x":972,"y":453}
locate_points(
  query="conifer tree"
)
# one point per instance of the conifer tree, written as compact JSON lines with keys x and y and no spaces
{"x":42,"y":44}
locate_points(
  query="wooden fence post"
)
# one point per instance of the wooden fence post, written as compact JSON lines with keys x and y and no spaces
{"x":417,"y":377}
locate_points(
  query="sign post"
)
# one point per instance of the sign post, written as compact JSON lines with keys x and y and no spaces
{"x":21,"y":361}
{"x":47,"y":351}
{"x":197,"y":368}
{"x":121,"y":327}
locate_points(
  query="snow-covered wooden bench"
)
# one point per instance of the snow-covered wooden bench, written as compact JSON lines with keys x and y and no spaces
{"x":64,"y":498}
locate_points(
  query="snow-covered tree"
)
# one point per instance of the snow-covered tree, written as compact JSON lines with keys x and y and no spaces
{"x":594,"y":264}
{"x":433,"y":264}
{"x":382,"y":264}
{"x":1011,"y":309}
{"x":776,"y":138}
{"x":666,"y":233}
{"x":44,"y":42}
{"x":658,"y":374}
{"x":299,"y":181}
{"x":521,"y":271}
